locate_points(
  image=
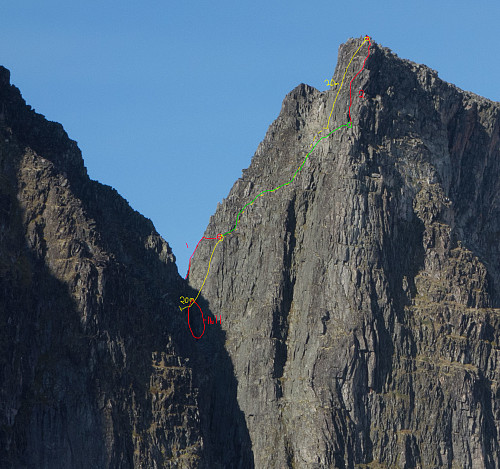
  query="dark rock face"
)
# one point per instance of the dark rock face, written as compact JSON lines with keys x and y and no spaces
{"x":96,"y":369}
{"x":361,"y":303}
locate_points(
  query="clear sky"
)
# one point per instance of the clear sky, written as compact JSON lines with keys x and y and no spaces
{"x":168,"y":100}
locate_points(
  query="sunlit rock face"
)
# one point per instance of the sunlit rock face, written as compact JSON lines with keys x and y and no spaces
{"x":360,"y":303}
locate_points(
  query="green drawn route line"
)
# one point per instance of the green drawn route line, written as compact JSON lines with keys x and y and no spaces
{"x":221,"y":237}
{"x":286,"y":183}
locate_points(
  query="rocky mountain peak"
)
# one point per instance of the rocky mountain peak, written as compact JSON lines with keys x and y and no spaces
{"x":355,"y":296}
{"x":24,"y":127}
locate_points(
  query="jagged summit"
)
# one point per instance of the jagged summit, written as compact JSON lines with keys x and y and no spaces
{"x":26,"y":127}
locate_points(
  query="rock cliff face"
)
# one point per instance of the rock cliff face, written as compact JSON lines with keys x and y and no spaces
{"x":360,"y":304}
{"x":96,"y":369}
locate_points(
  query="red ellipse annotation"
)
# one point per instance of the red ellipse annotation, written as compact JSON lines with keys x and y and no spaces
{"x":202,"y":318}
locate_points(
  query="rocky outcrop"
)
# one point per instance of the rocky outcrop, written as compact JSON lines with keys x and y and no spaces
{"x":360,"y":304}
{"x":95,"y":367}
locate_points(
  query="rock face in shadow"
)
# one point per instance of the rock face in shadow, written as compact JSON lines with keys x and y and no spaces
{"x":361,"y":302}
{"x":96,"y":366}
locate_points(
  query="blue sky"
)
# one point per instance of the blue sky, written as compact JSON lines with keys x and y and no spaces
{"x":168,"y":100}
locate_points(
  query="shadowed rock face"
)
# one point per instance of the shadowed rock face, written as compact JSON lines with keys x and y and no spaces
{"x":96,"y":369}
{"x":361,"y":303}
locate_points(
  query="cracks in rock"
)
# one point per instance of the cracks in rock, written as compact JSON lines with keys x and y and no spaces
{"x":281,"y":319}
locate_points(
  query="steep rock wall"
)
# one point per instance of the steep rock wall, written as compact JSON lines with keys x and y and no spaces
{"x":360,"y":303}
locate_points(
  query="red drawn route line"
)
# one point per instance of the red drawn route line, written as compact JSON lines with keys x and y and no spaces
{"x":350,"y":84}
{"x":189,"y":266}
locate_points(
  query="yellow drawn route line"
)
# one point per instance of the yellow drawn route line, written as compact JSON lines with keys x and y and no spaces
{"x":341,"y":84}
{"x":332,"y":83}
{"x":340,"y":87}
{"x":192,"y":300}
